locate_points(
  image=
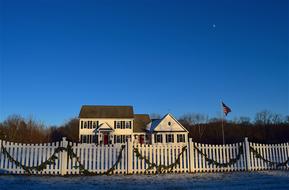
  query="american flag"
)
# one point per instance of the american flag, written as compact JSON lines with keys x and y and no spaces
{"x":226,"y":109}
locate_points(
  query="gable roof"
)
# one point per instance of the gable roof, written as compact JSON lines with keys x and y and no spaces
{"x":104,"y":126}
{"x":140,"y":122}
{"x":154,"y":124}
{"x":91,"y":111}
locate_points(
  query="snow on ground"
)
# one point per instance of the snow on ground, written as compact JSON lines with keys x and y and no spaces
{"x":234,"y":180}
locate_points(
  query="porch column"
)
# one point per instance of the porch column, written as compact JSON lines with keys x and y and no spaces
{"x":112,"y":140}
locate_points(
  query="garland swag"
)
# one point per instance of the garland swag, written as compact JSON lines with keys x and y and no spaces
{"x":271,"y":163}
{"x":51,"y":160}
{"x":30,"y":169}
{"x":160,"y":168}
{"x":81,"y":168}
{"x":218,"y":164}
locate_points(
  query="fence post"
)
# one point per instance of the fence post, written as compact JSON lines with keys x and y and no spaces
{"x":191,"y":155}
{"x":129,"y":155}
{"x":63,"y":157}
{"x":247,"y":148}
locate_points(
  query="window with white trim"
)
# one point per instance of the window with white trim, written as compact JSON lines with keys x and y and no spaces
{"x":127,"y":125}
{"x":159,"y":138}
{"x":118,"y":124}
{"x":181,"y":138}
{"x":170,"y":138}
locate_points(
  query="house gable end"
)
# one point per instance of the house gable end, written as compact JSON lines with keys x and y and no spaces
{"x":168,"y":123}
{"x":105,"y":127}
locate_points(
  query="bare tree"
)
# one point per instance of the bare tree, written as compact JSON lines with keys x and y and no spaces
{"x":276,"y":118}
{"x":286,"y":119}
{"x":244,"y":120}
{"x":263,"y":117}
{"x":267,"y":117}
{"x":195,"y":119}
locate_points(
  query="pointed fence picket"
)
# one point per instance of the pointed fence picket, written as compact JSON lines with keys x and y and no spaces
{"x":186,"y":157}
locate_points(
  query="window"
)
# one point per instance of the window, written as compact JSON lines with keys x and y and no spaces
{"x":84,"y":139}
{"x":95,"y":139}
{"x":85,"y":125}
{"x":169,"y":123}
{"x":159,"y":138}
{"x":170,"y":138}
{"x":127,"y":125}
{"x":118,"y":139}
{"x":121,"y":138}
{"x":122,"y":124}
{"x":127,"y":137}
{"x":94,"y":124}
{"x":118,"y":124}
{"x":90,"y":124}
{"x":180,"y":138}
{"x":81,"y":124}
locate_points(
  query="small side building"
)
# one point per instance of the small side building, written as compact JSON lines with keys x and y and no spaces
{"x":167,"y":130}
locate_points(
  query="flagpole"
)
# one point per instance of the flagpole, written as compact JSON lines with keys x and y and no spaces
{"x":222,"y":112}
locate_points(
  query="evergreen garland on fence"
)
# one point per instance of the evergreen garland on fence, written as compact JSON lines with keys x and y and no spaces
{"x":81,"y":168}
{"x":218,"y":164}
{"x":29,"y":169}
{"x":159,"y":168}
{"x":271,"y":163}
{"x":51,"y":161}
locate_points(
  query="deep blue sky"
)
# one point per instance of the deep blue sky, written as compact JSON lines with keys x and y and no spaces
{"x":159,"y":56}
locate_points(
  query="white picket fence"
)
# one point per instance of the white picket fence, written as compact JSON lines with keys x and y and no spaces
{"x":130,"y":158}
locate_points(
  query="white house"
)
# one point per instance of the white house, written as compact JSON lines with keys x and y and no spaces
{"x":116,"y":124}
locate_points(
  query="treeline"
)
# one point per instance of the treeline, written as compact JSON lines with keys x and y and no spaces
{"x":18,"y":129}
{"x":267,"y":127}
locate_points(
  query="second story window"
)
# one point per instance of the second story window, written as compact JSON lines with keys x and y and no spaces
{"x":85,"y":125}
{"x":127,"y":125}
{"x":94,"y":124}
{"x":118,"y":124}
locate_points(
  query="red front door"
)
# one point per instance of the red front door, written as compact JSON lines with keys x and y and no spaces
{"x":141,"y":139}
{"x":105,"y":139}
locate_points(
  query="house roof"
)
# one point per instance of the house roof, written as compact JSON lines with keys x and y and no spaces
{"x":155,"y":122}
{"x":103,"y":127}
{"x":140,"y":122}
{"x":91,"y":111}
